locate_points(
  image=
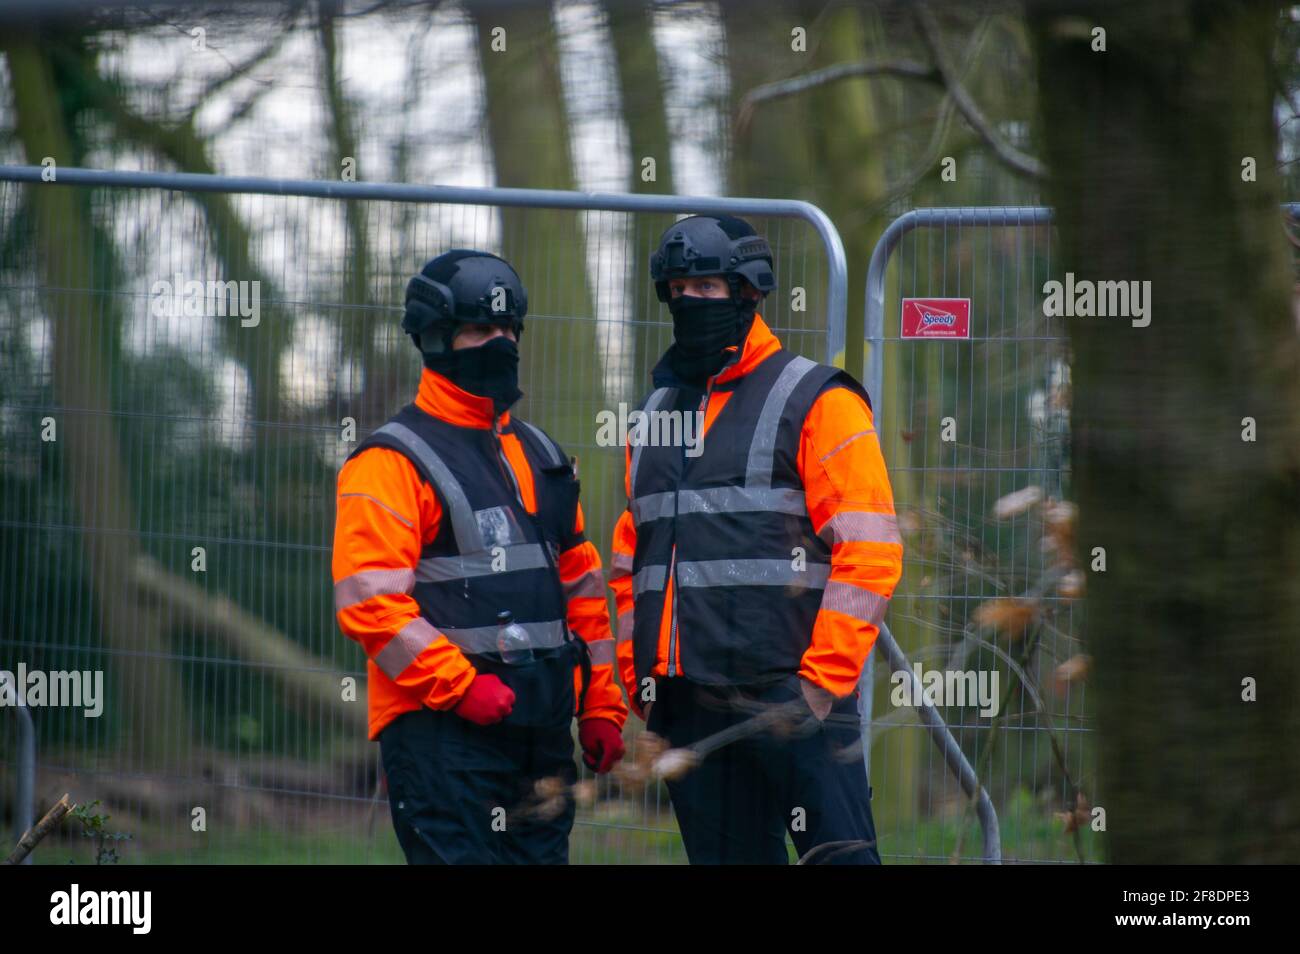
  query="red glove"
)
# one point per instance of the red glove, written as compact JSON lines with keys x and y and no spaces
{"x":487,"y":700}
{"x":602,"y":744}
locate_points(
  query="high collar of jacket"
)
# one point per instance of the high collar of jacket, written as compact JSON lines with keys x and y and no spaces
{"x":444,"y":400}
{"x":759,"y":345}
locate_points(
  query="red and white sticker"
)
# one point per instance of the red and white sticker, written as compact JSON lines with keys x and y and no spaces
{"x":936,"y":317}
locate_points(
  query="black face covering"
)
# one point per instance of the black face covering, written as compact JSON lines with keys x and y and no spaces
{"x":489,"y":370}
{"x":703,"y":330}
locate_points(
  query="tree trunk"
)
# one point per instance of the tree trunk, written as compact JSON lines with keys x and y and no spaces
{"x":144,"y":688}
{"x":1201,"y":528}
{"x":560,"y":368}
{"x":642,"y":93}
{"x":357,"y":320}
{"x":641,"y":90}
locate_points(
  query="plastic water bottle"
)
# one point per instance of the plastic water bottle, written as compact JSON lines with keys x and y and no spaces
{"x":512,"y":640}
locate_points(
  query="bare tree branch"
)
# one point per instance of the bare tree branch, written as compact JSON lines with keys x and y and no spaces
{"x":938,"y":143}
{"x":284,"y":28}
{"x":1012,"y":157}
{"x":941,"y":73}
{"x":905,"y":69}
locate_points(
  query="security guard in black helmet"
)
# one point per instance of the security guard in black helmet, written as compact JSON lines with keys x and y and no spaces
{"x":751,"y":574}
{"x":461,"y":567}
{"x":478,"y":288}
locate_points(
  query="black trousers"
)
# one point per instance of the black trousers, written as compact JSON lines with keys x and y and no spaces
{"x":461,"y":793}
{"x":736,"y":806}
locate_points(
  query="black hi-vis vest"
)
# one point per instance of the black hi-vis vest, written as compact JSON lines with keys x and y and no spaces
{"x":490,"y":554}
{"x":731,"y":527}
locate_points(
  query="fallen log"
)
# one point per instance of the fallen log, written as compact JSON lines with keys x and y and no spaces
{"x":307,"y":683}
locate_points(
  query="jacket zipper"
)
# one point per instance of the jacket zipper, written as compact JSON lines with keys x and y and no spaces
{"x":504,"y":463}
{"x":672,"y":563}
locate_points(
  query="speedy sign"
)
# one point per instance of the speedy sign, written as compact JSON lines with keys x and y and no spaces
{"x":936,"y":317}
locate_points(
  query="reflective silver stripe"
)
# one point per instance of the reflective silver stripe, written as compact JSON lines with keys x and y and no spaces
{"x":649,"y":578}
{"x":552,"y":453}
{"x":590,"y":584}
{"x":624,"y":628}
{"x":602,"y":651}
{"x":652,"y":404}
{"x":621,"y":565}
{"x":735,"y":499}
{"x":359,"y":587}
{"x":751,"y":573}
{"x":527,"y":556}
{"x":463,"y":524}
{"x":846,"y":442}
{"x":483,"y":639}
{"x":720,"y":500}
{"x":852,"y":526}
{"x":652,"y":507}
{"x":758,"y":470}
{"x":402,"y":649}
{"x":855,"y":601}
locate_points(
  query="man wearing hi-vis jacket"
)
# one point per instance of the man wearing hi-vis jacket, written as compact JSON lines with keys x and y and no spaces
{"x":751,"y":572}
{"x":461,"y":567}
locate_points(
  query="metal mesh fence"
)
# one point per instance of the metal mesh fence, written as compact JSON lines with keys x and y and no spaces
{"x":988,"y":579}
{"x":168,"y":477}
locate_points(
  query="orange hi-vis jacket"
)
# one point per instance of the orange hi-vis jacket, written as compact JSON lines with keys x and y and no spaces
{"x":386,"y":514}
{"x":849,"y":502}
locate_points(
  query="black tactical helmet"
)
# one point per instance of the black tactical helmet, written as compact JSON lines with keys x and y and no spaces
{"x":462,"y":285}
{"x":708,"y":245}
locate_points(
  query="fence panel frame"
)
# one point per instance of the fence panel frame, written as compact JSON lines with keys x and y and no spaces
{"x":837,"y":268}
{"x":874,"y":328}
{"x":25,"y":777}
{"x":836,"y":304}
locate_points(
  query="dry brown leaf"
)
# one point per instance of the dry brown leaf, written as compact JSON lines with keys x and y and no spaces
{"x":584,"y":793}
{"x":1071,"y":585}
{"x":1021,"y":501}
{"x":1060,"y":514}
{"x":1008,"y":616}
{"x":552,"y":786}
{"x":550,"y":809}
{"x":1059,"y":519}
{"x":1082,"y":811}
{"x":1081,"y":815}
{"x":649,"y":747}
{"x":631,"y":775}
{"x":674,"y":763}
{"x":1074,"y":669}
